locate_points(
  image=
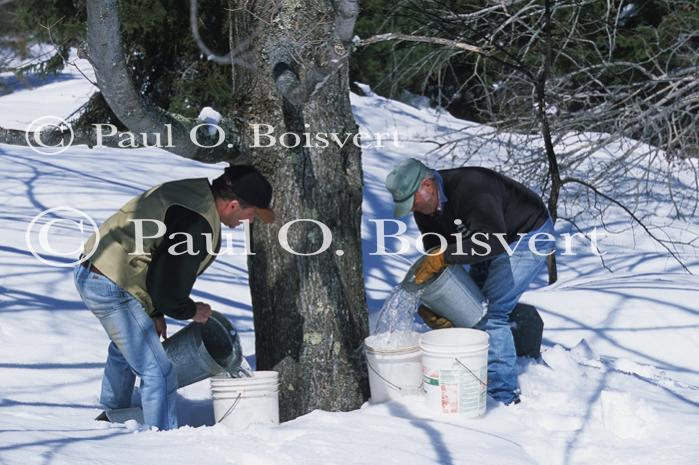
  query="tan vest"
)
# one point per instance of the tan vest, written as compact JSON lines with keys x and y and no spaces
{"x":117,"y":234}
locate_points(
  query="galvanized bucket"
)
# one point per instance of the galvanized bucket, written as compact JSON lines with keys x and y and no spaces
{"x":452,"y":294}
{"x":199,"y":351}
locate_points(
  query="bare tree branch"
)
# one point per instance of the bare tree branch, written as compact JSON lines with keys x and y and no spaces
{"x":299,"y":87}
{"x":106,"y":54}
{"x":422,"y":39}
{"x":548,"y":79}
{"x":631,"y":214}
{"x":240,"y":56}
{"x":589,"y":239}
{"x":58,"y":137}
{"x":64,"y":58}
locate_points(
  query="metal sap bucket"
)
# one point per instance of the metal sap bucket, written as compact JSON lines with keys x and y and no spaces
{"x":199,"y":351}
{"x":452,"y":294}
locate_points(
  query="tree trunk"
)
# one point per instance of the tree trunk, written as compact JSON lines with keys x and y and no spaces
{"x":554,"y":172}
{"x":309,"y":311}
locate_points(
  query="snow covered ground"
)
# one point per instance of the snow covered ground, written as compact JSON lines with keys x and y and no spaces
{"x":628,"y":394}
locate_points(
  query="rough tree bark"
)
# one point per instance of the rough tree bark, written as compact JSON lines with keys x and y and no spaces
{"x":309,"y":311}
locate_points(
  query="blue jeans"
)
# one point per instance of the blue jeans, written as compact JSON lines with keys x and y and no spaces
{"x":503,"y":280}
{"x":135,"y":350}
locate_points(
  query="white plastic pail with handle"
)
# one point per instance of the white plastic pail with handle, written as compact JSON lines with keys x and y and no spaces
{"x":394,"y":372}
{"x":455,"y":370}
{"x":241,"y":402}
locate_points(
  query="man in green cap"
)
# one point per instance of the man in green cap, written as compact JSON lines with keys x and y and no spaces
{"x":476,"y":205}
{"x":134,"y":272}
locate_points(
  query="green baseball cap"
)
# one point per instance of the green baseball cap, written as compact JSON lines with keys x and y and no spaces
{"x":402,"y":182}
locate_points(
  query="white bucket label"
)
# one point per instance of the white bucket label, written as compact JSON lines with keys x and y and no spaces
{"x":461,"y":391}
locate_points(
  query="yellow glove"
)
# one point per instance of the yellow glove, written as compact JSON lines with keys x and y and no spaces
{"x":433,"y":320}
{"x":431,"y":264}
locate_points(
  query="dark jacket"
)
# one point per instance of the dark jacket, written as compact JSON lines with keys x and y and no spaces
{"x":171,"y":277}
{"x":486,"y":202}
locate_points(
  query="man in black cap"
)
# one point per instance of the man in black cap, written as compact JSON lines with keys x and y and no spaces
{"x":142,"y":265}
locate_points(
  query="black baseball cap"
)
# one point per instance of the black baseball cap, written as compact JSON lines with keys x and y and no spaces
{"x":250,"y":186}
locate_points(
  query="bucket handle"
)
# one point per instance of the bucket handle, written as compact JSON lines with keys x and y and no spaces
{"x":390,"y":384}
{"x":472,"y":373}
{"x":232,"y":407}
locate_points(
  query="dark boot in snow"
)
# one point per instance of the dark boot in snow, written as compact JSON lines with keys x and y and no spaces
{"x":527,"y":330}
{"x":514,"y":401}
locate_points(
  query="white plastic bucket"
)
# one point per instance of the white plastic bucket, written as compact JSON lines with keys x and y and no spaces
{"x":393,"y":372}
{"x":241,"y":402}
{"x":455,"y":370}
{"x":261,"y":379}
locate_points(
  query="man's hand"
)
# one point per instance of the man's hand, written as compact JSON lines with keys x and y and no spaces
{"x":160,"y":326}
{"x":433,"y":320}
{"x":203,"y":312}
{"x":429,"y":266}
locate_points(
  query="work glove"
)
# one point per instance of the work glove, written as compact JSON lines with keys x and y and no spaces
{"x":433,"y":320}
{"x":429,"y":266}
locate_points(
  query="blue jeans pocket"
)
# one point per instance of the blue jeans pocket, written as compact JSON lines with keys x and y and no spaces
{"x":98,"y":293}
